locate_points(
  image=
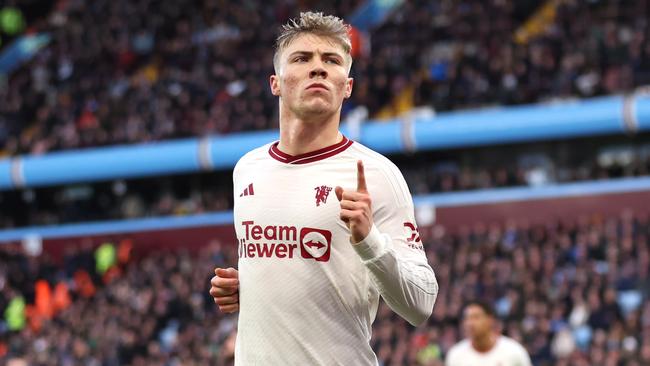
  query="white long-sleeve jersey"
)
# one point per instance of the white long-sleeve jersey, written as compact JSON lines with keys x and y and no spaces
{"x":307,"y":296}
{"x":506,"y":352}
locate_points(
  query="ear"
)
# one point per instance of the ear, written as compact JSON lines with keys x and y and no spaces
{"x":274,"y":82}
{"x":348,"y":87}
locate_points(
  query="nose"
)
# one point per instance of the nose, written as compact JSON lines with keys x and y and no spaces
{"x":318,"y":71}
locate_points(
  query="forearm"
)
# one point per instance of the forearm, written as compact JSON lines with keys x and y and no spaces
{"x":407,"y":283}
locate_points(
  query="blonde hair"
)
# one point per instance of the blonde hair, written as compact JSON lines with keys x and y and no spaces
{"x":318,"y":24}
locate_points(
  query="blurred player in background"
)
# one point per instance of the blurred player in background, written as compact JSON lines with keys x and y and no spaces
{"x":311,"y":267}
{"x":484,"y":345}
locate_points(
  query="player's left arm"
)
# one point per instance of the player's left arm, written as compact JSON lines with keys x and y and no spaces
{"x":386,"y":239}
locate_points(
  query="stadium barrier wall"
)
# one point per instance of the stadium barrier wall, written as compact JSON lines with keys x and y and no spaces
{"x":598,"y":116}
{"x":453,"y":210}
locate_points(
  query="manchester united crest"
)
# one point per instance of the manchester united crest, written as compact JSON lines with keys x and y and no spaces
{"x":321,"y":194}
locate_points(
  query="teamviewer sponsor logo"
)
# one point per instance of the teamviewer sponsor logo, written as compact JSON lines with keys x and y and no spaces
{"x":315,"y":243}
{"x":282,"y":241}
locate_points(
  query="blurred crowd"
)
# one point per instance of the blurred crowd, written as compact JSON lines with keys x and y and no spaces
{"x":150,"y":311}
{"x":121,"y":199}
{"x":494,"y":167}
{"x":510,"y":52}
{"x":573,"y":292}
{"x":136,"y":71}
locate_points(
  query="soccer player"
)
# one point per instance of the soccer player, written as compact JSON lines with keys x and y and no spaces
{"x":325,"y":225}
{"x":484,"y":346}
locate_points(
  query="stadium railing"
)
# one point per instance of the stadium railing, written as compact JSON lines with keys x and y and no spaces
{"x":452,"y":210}
{"x":610,"y":115}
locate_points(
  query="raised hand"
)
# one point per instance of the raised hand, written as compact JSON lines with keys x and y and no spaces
{"x":356,"y":209}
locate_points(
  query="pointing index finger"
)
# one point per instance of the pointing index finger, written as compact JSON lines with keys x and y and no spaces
{"x":361,"y":178}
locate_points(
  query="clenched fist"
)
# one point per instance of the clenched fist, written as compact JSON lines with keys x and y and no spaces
{"x":225,"y":289}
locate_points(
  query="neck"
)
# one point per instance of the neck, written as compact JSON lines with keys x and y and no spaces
{"x":484,"y":343}
{"x":298,"y":136}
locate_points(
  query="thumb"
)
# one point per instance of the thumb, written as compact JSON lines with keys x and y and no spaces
{"x":339,"y":193}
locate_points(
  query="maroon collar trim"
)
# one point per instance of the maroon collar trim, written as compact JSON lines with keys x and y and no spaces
{"x":309,"y":157}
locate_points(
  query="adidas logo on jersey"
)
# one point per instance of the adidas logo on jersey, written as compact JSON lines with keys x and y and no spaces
{"x":283,"y":241}
{"x":248,"y":191}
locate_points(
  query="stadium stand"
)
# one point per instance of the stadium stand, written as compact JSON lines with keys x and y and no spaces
{"x":127,"y":72}
{"x":571,"y":291}
{"x":188,"y":70}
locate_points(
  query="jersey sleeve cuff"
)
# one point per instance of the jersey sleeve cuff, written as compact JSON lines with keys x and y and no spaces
{"x":372,"y":246}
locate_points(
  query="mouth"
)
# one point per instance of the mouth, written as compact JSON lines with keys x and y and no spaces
{"x":317,"y":86}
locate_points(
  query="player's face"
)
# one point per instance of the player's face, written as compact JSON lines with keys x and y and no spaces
{"x":312,"y":79}
{"x":476,"y":322}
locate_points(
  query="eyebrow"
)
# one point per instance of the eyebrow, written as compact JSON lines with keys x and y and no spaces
{"x":309,"y":53}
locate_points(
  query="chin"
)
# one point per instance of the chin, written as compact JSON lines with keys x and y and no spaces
{"x":317,"y":110}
